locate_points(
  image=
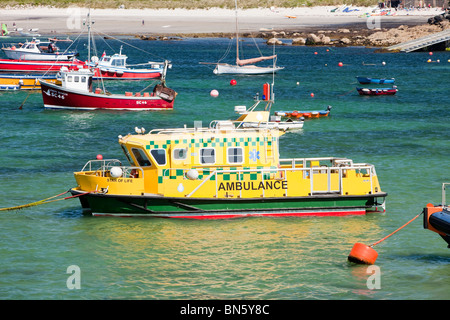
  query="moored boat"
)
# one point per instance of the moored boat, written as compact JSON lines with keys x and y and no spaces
{"x":26,"y":66}
{"x":377,"y":91}
{"x":304,"y":114}
{"x":437,"y":218}
{"x":253,"y":118}
{"x":115,"y":67}
{"x":76,"y":92}
{"x":25,"y":82}
{"x":246,"y":66}
{"x":36,"y":50}
{"x":223,"y":172}
{"x":367,"y":80}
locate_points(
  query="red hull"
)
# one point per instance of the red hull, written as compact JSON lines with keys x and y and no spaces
{"x":56,"y":97}
{"x":36,"y":66}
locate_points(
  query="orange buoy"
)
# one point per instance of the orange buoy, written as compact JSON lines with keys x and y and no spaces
{"x":233,"y":82}
{"x":340,"y":64}
{"x":362,"y":254}
{"x":266,"y":91}
{"x":366,"y":254}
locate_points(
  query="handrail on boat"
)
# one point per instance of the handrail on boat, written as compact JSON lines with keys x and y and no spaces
{"x":443,"y":192}
{"x":308,"y":173}
{"x":104,"y":166}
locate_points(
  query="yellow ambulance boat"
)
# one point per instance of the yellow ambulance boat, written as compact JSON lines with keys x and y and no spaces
{"x":223,"y":171}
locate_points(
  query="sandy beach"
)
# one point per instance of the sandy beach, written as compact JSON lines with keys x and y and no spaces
{"x":180,"y":21}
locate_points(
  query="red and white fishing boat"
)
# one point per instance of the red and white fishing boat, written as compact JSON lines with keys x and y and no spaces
{"x":115,"y":67}
{"x":7,"y":65}
{"x":76,"y":92}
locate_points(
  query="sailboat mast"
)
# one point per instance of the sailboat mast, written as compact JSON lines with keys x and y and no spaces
{"x":89,"y":34}
{"x":237,"y":34}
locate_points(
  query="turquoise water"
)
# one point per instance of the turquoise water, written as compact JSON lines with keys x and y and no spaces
{"x":406,"y":136}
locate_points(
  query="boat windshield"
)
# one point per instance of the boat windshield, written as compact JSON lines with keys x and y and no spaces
{"x":118,"y":62}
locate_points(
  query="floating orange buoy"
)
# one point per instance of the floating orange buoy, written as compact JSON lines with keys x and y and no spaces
{"x":431,"y":53}
{"x":214,"y":93}
{"x":99,"y":157}
{"x":340,"y":64}
{"x":233,"y":82}
{"x":362,"y":254}
{"x":312,"y":95}
{"x":315,"y":52}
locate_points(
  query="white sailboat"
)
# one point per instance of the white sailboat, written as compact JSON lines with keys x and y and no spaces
{"x":246,"y":66}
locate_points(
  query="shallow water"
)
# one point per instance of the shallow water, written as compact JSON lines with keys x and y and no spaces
{"x":406,"y":136}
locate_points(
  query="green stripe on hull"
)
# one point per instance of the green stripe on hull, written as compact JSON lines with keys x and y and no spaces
{"x":128,"y":205}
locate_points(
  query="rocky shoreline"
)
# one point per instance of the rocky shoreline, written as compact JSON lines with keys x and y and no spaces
{"x":346,"y":36}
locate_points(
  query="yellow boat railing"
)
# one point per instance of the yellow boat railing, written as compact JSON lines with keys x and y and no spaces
{"x":310,"y":168}
{"x":103,"y":168}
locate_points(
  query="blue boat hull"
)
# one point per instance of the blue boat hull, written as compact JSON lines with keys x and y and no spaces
{"x":365,"y":80}
{"x":438,"y":222}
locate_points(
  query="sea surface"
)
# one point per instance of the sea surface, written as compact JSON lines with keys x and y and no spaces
{"x":52,"y":251}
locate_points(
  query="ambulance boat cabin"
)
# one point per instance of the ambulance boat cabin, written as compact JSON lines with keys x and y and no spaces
{"x":223,"y":172}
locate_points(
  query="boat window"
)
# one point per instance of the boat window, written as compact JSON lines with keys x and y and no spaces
{"x":207,"y":156}
{"x":159,"y":155}
{"x":69,"y":78}
{"x":83,"y":79}
{"x":127,"y":154}
{"x":235,"y":155}
{"x":76,"y":78}
{"x":141,"y":157}
{"x":118,"y":62}
{"x":180,"y":154}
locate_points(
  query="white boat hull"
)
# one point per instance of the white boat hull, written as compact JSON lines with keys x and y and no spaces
{"x":21,"y":55}
{"x":248,"y":69}
{"x":285,"y":126}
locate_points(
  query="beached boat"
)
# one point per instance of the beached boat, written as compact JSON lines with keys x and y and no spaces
{"x":304,"y":114}
{"x":222,"y":172}
{"x":115,"y":67}
{"x":246,"y":66}
{"x":36,"y":50}
{"x":76,"y":92}
{"x":377,"y":91}
{"x":25,"y":82}
{"x":29,"y":66}
{"x":437,"y":218}
{"x":367,"y":80}
{"x":253,"y":118}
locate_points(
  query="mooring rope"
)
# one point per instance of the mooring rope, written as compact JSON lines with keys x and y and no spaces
{"x":375,"y":243}
{"x":43,"y":201}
